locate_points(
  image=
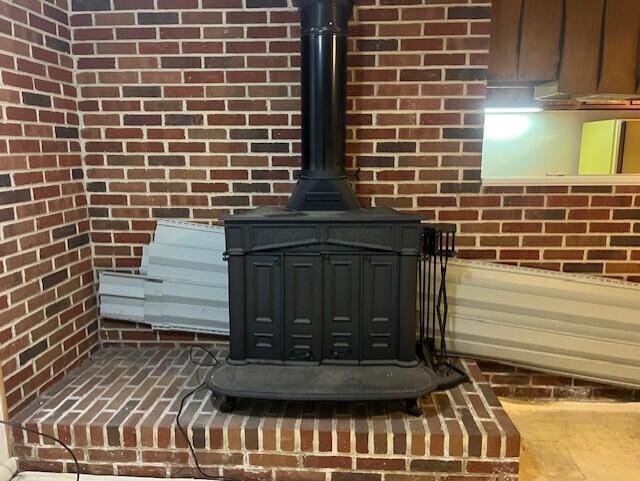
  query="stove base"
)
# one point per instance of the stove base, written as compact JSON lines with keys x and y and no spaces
{"x":322,"y":382}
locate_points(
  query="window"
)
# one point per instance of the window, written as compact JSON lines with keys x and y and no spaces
{"x":532,"y":146}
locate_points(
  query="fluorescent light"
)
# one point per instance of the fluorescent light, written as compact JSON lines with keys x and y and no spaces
{"x":501,"y":128}
{"x":511,"y":110}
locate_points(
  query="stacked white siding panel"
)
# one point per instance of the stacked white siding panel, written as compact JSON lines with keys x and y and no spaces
{"x":122,"y":296}
{"x":566,"y":323}
{"x":182,"y":283}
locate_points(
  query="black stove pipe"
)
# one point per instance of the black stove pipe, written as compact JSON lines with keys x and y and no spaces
{"x":323,"y":181}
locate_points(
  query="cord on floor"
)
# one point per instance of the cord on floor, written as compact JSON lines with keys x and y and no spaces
{"x":213,"y":363}
{"x":46,"y":436}
{"x":185,"y":435}
{"x":183,"y":431}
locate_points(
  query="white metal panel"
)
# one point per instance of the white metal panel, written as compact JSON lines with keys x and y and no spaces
{"x":186,"y":274}
{"x":194,"y":307}
{"x":188,"y":252}
{"x":9,"y":469}
{"x":183,"y":283}
{"x":153,"y":302}
{"x":189,"y":234}
{"x":122,"y":309}
{"x":189,"y":264}
{"x":121,"y":284}
{"x":144,"y":262}
{"x":185,"y":256}
{"x":586,"y":326}
{"x":196,"y":294}
{"x":121,"y":296}
{"x":194,"y":319}
{"x":562,"y":363}
{"x":164,"y":304}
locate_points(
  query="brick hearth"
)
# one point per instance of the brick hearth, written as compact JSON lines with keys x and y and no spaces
{"x":118,"y":413}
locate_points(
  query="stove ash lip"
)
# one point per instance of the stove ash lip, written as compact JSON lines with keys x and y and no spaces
{"x":323,"y":182}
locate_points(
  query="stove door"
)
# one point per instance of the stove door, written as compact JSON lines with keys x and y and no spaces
{"x":264,"y":306}
{"x":302,"y":307}
{"x":380,"y":307}
{"x":341,"y":326}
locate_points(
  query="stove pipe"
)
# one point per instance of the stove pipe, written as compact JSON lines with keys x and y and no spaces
{"x":323,"y":181}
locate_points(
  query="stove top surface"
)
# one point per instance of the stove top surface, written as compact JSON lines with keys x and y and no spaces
{"x":281,"y":213}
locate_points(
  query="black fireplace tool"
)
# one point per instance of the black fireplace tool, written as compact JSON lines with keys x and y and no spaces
{"x":438,"y":246}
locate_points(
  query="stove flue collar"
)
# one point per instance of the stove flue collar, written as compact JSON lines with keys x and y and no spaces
{"x":325,"y":15}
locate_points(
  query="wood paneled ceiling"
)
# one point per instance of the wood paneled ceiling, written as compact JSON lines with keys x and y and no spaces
{"x":588,"y":47}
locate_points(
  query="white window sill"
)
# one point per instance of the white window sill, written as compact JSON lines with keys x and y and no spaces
{"x":620,"y":179}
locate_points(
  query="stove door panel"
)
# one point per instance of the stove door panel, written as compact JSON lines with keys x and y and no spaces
{"x":341,"y":337}
{"x":264,"y":307}
{"x":302,"y":308}
{"x":380,"y":307}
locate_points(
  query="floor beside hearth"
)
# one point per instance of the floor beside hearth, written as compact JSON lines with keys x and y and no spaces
{"x":578,"y":441}
{"x":118,"y":413}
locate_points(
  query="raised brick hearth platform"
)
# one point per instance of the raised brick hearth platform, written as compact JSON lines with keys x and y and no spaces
{"x":118,"y":413}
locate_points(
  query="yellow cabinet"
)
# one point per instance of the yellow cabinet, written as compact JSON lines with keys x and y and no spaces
{"x":610,"y":147}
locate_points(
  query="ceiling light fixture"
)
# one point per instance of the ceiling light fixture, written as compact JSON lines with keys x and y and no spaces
{"x":512,"y":110}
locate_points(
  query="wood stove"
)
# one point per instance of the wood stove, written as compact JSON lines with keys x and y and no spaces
{"x":322,"y":292}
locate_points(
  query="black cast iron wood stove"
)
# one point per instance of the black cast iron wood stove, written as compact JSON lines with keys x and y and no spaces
{"x":323,"y":293}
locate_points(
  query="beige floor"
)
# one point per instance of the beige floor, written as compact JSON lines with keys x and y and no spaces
{"x":570,"y":441}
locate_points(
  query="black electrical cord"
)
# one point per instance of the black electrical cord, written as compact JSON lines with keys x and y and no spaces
{"x":46,"y":436}
{"x":213,"y":363}
{"x":184,"y":433}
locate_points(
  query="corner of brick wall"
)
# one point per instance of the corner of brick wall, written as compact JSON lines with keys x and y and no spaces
{"x":47,"y":304}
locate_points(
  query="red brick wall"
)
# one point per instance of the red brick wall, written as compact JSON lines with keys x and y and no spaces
{"x":47,"y":314}
{"x":517,"y":382}
{"x":190,"y":110}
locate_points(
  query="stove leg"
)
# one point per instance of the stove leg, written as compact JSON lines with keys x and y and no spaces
{"x":412,"y":406}
{"x":228,"y":404}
